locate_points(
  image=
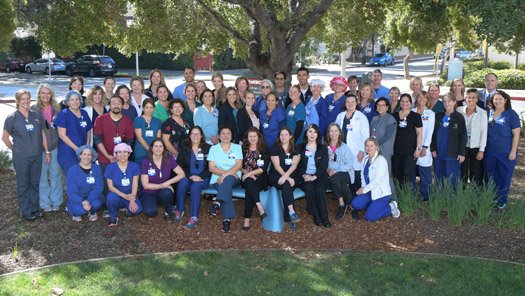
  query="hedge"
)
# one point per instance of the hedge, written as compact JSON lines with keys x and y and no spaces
{"x":521,"y":67}
{"x":507,"y":79}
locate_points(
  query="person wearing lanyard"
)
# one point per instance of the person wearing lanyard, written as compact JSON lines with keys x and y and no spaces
{"x":50,"y":187}
{"x":157,"y":181}
{"x":356,"y":130}
{"x":161,"y":106}
{"x":96,"y":103}
{"x":340,"y":168}
{"x":477,"y":126}
{"x":190,"y":104}
{"x":122,"y":178}
{"x":296,"y":114}
{"x":272,"y":120}
{"x":228,"y":112}
{"x":137,"y":93}
{"x":366,"y":101}
{"x":175,"y":130}
{"x":26,"y":128}
{"x":247,"y":117}
{"x":334,"y":102}
{"x":265,"y":88}
{"x":207,"y":117}
{"x":374,"y":196}
{"x":407,"y":146}
{"x":284,"y":173}
{"x":256,"y":160}
{"x":225,"y":163}
{"x":449,"y":141}
{"x":73,"y":125}
{"x":424,"y":162}
{"x":312,"y":169}
{"x":192,"y":159}
{"x":84,"y":185}
{"x":502,"y":145}
{"x":316,"y":113}
{"x":147,"y":128}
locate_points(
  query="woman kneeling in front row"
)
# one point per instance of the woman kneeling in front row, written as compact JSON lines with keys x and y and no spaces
{"x":84,"y":185}
{"x":374,"y":196}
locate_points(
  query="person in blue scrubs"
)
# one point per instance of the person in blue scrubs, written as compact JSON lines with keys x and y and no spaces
{"x":501,"y":152}
{"x":296,"y":114}
{"x":84,"y":185}
{"x":334,"y":102}
{"x":449,"y":141}
{"x":122,"y":177}
{"x":265,"y":88}
{"x":272,"y":120}
{"x":316,"y":113}
{"x":147,"y":128}
{"x":366,"y":101}
{"x":73,"y":125}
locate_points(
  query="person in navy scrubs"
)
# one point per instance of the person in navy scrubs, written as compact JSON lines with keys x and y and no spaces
{"x":272,"y":120}
{"x":449,"y":141}
{"x":502,"y":144}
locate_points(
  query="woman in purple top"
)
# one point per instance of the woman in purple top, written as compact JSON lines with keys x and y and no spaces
{"x":157,"y":181}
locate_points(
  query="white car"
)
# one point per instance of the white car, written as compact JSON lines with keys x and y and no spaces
{"x":42,"y":65}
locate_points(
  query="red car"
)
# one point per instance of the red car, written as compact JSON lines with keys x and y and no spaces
{"x":13,"y":64}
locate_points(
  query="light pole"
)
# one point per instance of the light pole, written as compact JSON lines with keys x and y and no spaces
{"x":129,"y":24}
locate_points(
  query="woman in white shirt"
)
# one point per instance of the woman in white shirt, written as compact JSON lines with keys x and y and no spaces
{"x":424,"y":162}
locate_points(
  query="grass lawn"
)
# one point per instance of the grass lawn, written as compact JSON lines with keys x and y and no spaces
{"x":274,"y":273}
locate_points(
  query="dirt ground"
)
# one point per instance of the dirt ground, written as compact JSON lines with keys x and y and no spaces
{"x":56,"y":238}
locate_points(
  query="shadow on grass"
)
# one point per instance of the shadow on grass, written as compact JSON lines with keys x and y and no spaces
{"x":274,"y":273}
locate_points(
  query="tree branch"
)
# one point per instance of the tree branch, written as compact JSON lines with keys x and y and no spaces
{"x":306,"y":22}
{"x":213,"y":14}
{"x":297,"y":6}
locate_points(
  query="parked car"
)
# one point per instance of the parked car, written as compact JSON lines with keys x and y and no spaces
{"x":463,"y":54}
{"x":12,"y":64}
{"x":443,"y":53}
{"x":92,"y":65}
{"x":382,"y":59}
{"x":42,"y":65}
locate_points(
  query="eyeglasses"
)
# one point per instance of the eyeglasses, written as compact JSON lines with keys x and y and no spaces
{"x":265,"y":87}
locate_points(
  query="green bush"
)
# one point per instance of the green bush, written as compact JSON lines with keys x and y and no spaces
{"x":460,"y":204}
{"x":483,"y":204}
{"x":507,"y":79}
{"x":438,"y":197}
{"x":521,"y":67}
{"x":501,"y":65}
{"x":5,"y":160}
{"x":408,"y":201}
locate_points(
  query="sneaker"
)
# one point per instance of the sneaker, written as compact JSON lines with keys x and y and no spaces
{"x":226,"y":226}
{"x":394,"y":209}
{"x":293,"y":226}
{"x":214,"y":209}
{"x":113,"y":223}
{"x":47,"y":210}
{"x":191,"y":224}
{"x":129,"y":214}
{"x":105,"y":214}
{"x":123,"y":209}
{"x":77,"y":218}
{"x":294,"y":217}
{"x":501,"y":206}
{"x":178,"y":216}
{"x":341,"y":211}
{"x":93,"y":217}
{"x":355,"y":215}
{"x":55,"y":208}
{"x":168,"y":218}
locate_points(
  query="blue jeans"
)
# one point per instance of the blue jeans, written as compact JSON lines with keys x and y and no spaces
{"x":375,"y":209}
{"x":51,"y":190}
{"x":195,"y":189}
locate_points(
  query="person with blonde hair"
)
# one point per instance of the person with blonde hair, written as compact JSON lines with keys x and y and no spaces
{"x":96,"y":103}
{"x":156,"y":79}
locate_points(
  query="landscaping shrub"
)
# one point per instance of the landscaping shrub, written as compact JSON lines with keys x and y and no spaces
{"x":459,"y":203}
{"x":408,"y":201}
{"x":507,"y":79}
{"x":5,"y":161}
{"x":516,"y":213}
{"x":521,"y":67}
{"x":500,"y":65}
{"x":438,"y":197}
{"x":483,"y":203}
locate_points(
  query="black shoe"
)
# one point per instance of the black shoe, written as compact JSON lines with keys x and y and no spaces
{"x":341,"y":211}
{"x":226,"y":226}
{"x":169,"y":218}
{"x":293,"y":226}
{"x":327,"y":224}
{"x":355,"y":215}
{"x":318,"y":223}
{"x":38,"y":214}
{"x":31,"y":217}
{"x":214,"y":209}
{"x":263,"y":215}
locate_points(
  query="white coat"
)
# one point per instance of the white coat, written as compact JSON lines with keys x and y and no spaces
{"x":355,"y":138}
{"x":379,"y":178}
{"x":429,"y":120}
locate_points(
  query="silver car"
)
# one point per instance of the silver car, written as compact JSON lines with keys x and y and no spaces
{"x":42,"y":65}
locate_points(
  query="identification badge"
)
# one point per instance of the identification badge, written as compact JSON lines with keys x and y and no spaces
{"x":151,"y":172}
{"x":90,"y":180}
{"x":367,"y":109}
{"x":265,"y":125}
{"x":231,"y":155}
{"x":30,"y":127}
{"x":424,"y":117}
{"x":149,"y":133}
{"x":308,"y":112}
{"x":200,"y":156}
{"x":445,"y":124}
{"x":291,"y":113}
{"x":125,"y":182}
{"x":349,"y":127}
{"x":117,"y":140}
{"x":403,"y":124}
{"x":288,"y":161}
{"x":500,"y":121}
{"x":331,"y":107}
{"x":215,"y":113}
{"x":83,"y":124}
{"x":308,"y":153}
{"x":260,"y":163}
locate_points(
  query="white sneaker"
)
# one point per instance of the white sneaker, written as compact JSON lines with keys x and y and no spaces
{"x":105,"y":214}
{"x":77,"y":218}
{"x":394,"y":209}
{"x":93,"y":217}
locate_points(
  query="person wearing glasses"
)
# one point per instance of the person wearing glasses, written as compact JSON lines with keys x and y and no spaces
{"x":175,"y":129}
{"x":316,"y":110}
{"x":340,"y":168}
{"x":272,"y":120}
{"x":502,"y":145}
{"x":314,"y":180}
{"x":192,"y":159}
{"x":484,"y":95}
{"x":280,"y":91}
{"x":265,"y":88}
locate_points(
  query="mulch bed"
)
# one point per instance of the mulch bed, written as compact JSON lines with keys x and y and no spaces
{"x":56,"y":239}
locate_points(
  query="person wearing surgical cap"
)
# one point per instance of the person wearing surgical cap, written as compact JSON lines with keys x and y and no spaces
{"x":335,"y":101}
{"x":123,"y":182}
{"x":73,"y":125}
{"x":316,"y":113}
{"x":84,"y":185}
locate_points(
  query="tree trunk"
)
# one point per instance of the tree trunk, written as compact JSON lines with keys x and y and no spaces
{"x":406,"y":60}
{"x":486,"y":60}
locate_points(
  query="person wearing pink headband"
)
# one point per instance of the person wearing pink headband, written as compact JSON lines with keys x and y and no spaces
{"x":334,"y":103}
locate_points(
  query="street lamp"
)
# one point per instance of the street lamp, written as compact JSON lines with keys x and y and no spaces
{"x":129,"y":24}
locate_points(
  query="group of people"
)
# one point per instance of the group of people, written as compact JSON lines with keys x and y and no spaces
{"x":134,"y":148}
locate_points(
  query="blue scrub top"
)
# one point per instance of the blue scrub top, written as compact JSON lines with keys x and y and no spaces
{"x":382,"y":92}
{"x":366,"y":172}
{"x":76,"y":130}
{"x":499,"y":137}
{"x":270,"y":126}
{"x":332,"y":109}
{"x":293,"y":115}
{"x":149,"y":133}
{"x":114,"y":173}
{"x":312,"y":115}
{"x":196,"y":166}
{"x":442,"y":139}
{"x":369,"y":111}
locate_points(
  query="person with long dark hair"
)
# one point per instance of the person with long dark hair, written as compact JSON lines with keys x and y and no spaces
{"x":193,"y":158}
{"x":228,"y":112}
{"x":247,"y":117}
{"x":207,"y":117}
{"x":147,"y":128}
{"x":175,"y":129}
{"x":296,"y":114}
